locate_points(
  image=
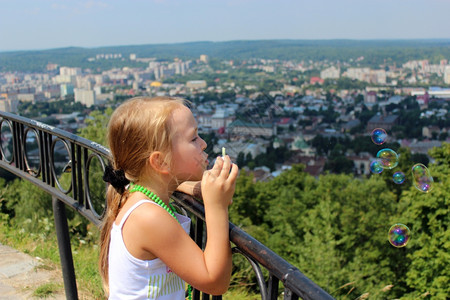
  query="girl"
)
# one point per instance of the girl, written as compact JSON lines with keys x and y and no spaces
{"x":146,"y":252}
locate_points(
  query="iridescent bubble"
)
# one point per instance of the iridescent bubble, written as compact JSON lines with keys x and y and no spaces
{"x":388,"y":158}
{"x":376,"y":167}
{"x":398,"y":177}
{"x":399,"y":235}
{"x":422,"y":179}
{"x":378,"y":136}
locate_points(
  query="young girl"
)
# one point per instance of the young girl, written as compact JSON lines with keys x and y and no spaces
{"x":146,"y":252}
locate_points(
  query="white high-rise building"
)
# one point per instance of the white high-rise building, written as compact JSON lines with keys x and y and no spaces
{"x":87,"y":97}
{"x":367,"y":74}
{"x":331,"y":72}
{"x":447,"y":74}
{"x":9,"y":105}
{"x":69,"y":71}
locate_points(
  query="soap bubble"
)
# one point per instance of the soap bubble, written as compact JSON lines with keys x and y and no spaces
{"x":422,"y":178}
{"x":398,"y":177}
{"x":376,"y":167}
{"x":399,"y":235}
{"x":388,"y":158}
{"x":378,"y":136}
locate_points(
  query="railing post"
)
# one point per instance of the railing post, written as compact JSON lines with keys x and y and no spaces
{"x":65,"y":251}
{"x":272,"y":287}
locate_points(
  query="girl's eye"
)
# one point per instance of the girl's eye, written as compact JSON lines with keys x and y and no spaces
{"x":194,"y":139}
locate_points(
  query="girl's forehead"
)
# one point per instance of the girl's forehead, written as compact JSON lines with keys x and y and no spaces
{"x":182,"y":118}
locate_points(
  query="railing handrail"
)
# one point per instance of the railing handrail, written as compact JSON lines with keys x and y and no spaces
{"x":80,"y":151}
{"x":99,"y":149}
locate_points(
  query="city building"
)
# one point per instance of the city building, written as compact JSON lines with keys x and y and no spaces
{"x":314,"y":80}
{"x":9,"y":105}
{"x":204,"y":58}
{"x":367,"y":74}
{"x":196,"y":84}
{"x":66,"y":71}
{"x":370,"y":97}
{"x":222,"y":118}
{"x":86,"y":97}
{"x":241,"y":128}
{"x":66,"y":89}
{"x":331,"y":72}
{"x":380,"y":121}
{"x":447,"y":74}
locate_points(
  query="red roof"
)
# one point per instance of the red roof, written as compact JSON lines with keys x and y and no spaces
{"x":314,"y":80}
{"x":284,"y":121}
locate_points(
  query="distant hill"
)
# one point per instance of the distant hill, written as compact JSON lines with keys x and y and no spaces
{"x":375,"y":52}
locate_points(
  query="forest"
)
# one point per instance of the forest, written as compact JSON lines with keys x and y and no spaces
{"x":375,"y":52}
{"x":334,"y":228}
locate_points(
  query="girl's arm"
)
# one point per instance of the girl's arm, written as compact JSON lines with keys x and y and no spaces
{"x":218,"y":188}
{"x":208,"y":270}
{"x":192,"y":188}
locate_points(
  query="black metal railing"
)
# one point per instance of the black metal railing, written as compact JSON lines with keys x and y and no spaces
{"x":69,"y":168}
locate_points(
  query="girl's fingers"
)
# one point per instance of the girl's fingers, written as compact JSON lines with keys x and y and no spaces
{"x":217,"y":167}
{"x":234,"y":172}
{"x":226,"y":167}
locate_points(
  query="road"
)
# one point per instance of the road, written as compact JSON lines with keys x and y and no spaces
{"x":21,"y":274}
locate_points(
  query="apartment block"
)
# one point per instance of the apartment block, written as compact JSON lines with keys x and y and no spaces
{"x":87,"y":97}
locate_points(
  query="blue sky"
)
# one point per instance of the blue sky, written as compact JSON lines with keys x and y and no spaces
{"x":45,"y":24}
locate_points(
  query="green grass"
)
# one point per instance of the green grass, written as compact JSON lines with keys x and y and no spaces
{"x":45,"y":246}
{"x":47,"y":290}
{"x":234,"y":294}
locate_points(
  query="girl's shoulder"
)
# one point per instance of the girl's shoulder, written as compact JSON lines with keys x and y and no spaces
{"x":148,"y":214}
{"x":135,"y":209}
{"x":146,"y":227}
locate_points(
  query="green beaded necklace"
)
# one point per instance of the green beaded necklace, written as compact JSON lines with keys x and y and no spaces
{"x":170,"y":209}
{"x":139,"y":188}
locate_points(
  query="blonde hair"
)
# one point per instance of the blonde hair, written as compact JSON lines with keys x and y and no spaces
{"x":137,"y":128}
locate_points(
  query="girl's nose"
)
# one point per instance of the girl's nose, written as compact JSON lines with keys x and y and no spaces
{"x":204,"y":145}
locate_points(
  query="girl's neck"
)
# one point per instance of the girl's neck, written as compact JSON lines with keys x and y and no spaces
{"x":160,"y":189}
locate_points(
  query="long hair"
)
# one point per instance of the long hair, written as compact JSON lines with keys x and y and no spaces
{"x":137,"y":128}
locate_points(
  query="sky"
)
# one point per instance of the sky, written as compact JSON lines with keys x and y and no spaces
{"x":48,"y":24}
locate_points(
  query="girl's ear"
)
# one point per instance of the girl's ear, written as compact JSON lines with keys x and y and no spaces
{"x":158,"y":163}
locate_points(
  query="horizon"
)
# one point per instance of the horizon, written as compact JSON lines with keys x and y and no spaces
{"x":230,"y":41}
{"x":28,"y":25}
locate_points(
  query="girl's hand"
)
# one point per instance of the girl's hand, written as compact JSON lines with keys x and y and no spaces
{"x":218,"y":184}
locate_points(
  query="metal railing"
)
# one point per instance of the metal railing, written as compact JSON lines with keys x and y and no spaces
{"x":66,"y":165}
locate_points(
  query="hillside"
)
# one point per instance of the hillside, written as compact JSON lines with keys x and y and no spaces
{"x":375,"y":52}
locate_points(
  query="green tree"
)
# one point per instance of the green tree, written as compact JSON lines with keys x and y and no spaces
{"x":428,"y":217}
{"x":26,"y":204}
{"x":96,"y":131}
{"x":96,"y":126}
{"x":240,"y":160}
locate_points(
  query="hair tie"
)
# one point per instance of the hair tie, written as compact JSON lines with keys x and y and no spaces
{"x":116,"y":178}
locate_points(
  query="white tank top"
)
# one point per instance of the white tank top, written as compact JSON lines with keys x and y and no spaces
{"x":132,"y":278}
